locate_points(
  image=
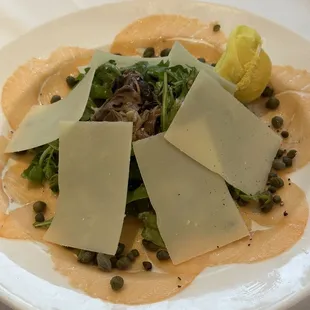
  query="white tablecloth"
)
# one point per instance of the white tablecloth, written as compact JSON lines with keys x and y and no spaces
{"x":19,"y":16}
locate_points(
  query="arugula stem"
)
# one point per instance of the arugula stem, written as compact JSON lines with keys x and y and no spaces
{"x":164,"y":103}
{"x":44,"y":155}
{"x":44,"y":224}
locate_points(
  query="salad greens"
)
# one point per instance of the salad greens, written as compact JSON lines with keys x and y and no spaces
{"x":150,"y":230}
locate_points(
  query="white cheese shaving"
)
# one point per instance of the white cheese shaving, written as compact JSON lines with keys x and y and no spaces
{"x":195,"y":212}
{"x":180,"y":56}
{"x":93,"y":177}
{"x":219,"y":132}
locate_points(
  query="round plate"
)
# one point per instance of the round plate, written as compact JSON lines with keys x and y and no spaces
{"x":27,"y":278}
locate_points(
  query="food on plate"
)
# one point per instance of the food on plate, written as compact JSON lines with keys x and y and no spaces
{"x":157,"y":166}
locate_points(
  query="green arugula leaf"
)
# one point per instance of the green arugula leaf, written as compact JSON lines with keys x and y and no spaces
{"x":34,"y":173}
{"x":150,"y":231}
{"x":137,"y":194}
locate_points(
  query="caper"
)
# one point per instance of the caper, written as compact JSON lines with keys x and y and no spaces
{"x":201,"y":59}
{"x":276,"y":182}
{"x":165,"y":52}
{"x":280,"y":153}
{"x":278,"y":164}
{"x":135,"y":252}
{"x":277,"y":122}
{"x":276,"y":199}
{"x":287,"y":161}
{"x":120,"y":249}
{"x":272,"y":189}
{"x":216,"y":27}
{"x":113,"y":260}
{"x":162,"y":255}
{"x":272,"y":103}
{"x":104,"y":262}
{"x":39,"y":206}
{"x":268,"y":91}
{"x":150,"y":246}
{"x":131,"y":257}
{"x":272,"y":175}
{"x":213,"y":64}
{"x":117,"y":283}
{"x":123,"y":263}
{"x":267,"y":207}
{"x":39,"y":217}
{"x":291,"y":154}
{"x":147,"y":266}
{"x":86,"y":257}
{"x":149,"y":52}
{"x":285,"y":134}
{"x":55,"y":98}
{"x":71,"y":81}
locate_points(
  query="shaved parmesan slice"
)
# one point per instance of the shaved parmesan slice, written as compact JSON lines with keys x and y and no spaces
{"x":40,"y":125}
{"x":180,"y":56}
{"x":192,"y":204}
{"x":219,"y":132}
{"x":93,"y":177}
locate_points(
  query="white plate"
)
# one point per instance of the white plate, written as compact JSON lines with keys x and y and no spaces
{"x":27,"y":278}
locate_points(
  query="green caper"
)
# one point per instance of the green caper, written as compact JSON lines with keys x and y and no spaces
{"x":276,"y":199}
{"x":267,"y":207}
{"x":272,"y":175}
{"x":162,"y":255}
{"x":150,"y":246}
{"x":117,"y":283}
{"x":39,"y":206}
{"x":123,"y":263}
{"x":86,"y":257}
{"x":131,"y":257}
{"x":272,"y":189}
{"x":278,"y":164}
{"x":39,"y":217}
{"x":272,"y":103}
{"x":213,"y":64}
{"x":280,"y":153}
{"x":287,"y":161}
{"x":55,"y":98}
{"x":113,"y":260}
{"x":276,"y":182}
{"x":147,"y":266}
{"x":291,"y":154}
{"x":216,"y":27}
{"x":149,"y":52}
{"x":71,"y":81}
{"x":268,"y":91}
{"x":285,"y":134}
{"x":277,"y":122}
{"x":165,"y":52}
{"x":135,"y":252}
{"x":120,"y":249}
{"x":104,"y":262}
{"x":201,"y":59}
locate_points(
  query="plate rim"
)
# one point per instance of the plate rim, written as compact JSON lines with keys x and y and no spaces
{"x":16,"y":302}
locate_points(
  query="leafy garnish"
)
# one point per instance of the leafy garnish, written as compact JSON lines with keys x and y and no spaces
{"x":137,"y":194}
{"x":44,"y":166}
{"x":103,"y":80}
{"x":150,"y":231}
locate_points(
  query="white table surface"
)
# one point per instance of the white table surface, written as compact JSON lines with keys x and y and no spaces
{"x":19,"y":16}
